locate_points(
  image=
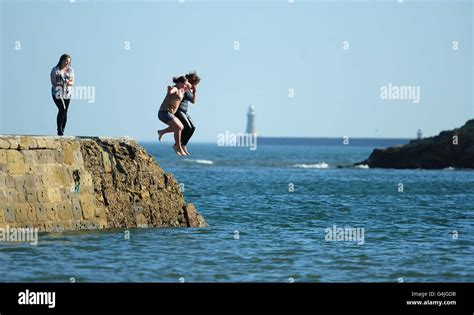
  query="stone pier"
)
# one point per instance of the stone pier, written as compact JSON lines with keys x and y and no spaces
{"x":74,"y":183}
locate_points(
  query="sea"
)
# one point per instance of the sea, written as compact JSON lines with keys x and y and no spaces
{"x":288,"y":211}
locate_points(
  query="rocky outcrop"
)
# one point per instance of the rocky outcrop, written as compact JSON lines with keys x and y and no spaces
{"x":454,"y":148}
{"x":58,"y":184}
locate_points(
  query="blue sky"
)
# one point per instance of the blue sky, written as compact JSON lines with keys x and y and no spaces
{"x":282,"y":46}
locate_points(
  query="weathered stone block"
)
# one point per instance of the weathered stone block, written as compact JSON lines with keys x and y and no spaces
{"x":33,"y":143}
{"x":51,"y":212}
{"x":40,"y":143}
{"x":66,"y":194}
{"x":58,"y":176}
{"x":78,"y":160}
{"x":9,"y":182}
{"x":16,"y":168}
{"x":59,"y":157}
{"x":19,"y":182}
{"x":4,"y":144}
{"x":54,"y":195}
{"x":42,"y":194}
{"x":65,"y":211}
{"x":29,"y":169}
{"x":29,"y":182}
{"x":24,"y":143}
{"x":11,"y":195}
{"x":15,"y":164}
{"x":3,"y":157}
{"x":2,"y":218}
{"x":53,"y":176}
{"x":50,"y":143}
{"x":47,"y":157}
{"x":38,"y":182}
{"x":29,"y":156}
{"x":21,"y":197}
{"x":9,"y":214}
{"x":87,"y":189}
{"x":41,"y":212}
{"x":86,"y":179}
{"x":87,"y":206}
{"x":14,"y":143}
{"x":39,"y":226}
{"x":14,"y":156}
{"x":31,"y":197}
{"x":21,"y":213}
{"x":77,"y":210}
{"x":3,"y":196}
{"x":31,"y":211}
{"x":48,"y":226}
{"x":3,"y":183}
{"x":68,"y":153}
{"x":64,"y":225}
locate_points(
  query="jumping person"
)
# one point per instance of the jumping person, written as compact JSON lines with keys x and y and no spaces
{"x":168,"y":108}
{"x":62,"y":77}
{"x":182,"y":112}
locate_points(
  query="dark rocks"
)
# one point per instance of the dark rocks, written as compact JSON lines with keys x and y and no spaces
{"x":454,"y":148}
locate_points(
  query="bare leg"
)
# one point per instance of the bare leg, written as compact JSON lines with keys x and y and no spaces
{"x":185,"y":149}
{"x":162,"y":132}
{"x":176,"y":126}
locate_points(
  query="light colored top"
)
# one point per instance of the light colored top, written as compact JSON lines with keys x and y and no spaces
{"x":59,"y":76}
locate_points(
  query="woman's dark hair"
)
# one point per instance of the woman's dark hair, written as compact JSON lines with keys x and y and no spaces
{"x":193,"y":78}
{"x":180,"y":79}
{"x":62,"y":58}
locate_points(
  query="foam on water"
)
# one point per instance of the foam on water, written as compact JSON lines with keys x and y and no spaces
{"x":208,"y":162}
{"x":317,"y":165}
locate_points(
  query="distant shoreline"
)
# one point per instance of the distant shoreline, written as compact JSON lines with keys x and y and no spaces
{"x":371,"y":142}
{"x":331,"y":141}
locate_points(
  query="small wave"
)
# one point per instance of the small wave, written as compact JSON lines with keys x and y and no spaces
{"x":450,"y":168}
{"x":200,"y":161}
{"x":317,"y":165}
{"x":362,"y":166}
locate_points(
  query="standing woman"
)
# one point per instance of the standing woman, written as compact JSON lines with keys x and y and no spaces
{"x":62,"y":77}
{"x":182,"y":112}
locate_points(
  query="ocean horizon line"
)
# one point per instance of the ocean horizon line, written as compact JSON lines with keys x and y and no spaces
{"x":359,"y":141}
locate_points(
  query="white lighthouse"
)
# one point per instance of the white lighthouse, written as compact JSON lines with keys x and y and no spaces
{"x":251,"y":120}
{"x":419,"y":134}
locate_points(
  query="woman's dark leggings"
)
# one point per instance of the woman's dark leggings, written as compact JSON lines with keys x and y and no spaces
{"x":62,"y":104}
{"x":188,"y":124}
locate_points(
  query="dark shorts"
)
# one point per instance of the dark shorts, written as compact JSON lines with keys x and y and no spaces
{"x":165,"y":116}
